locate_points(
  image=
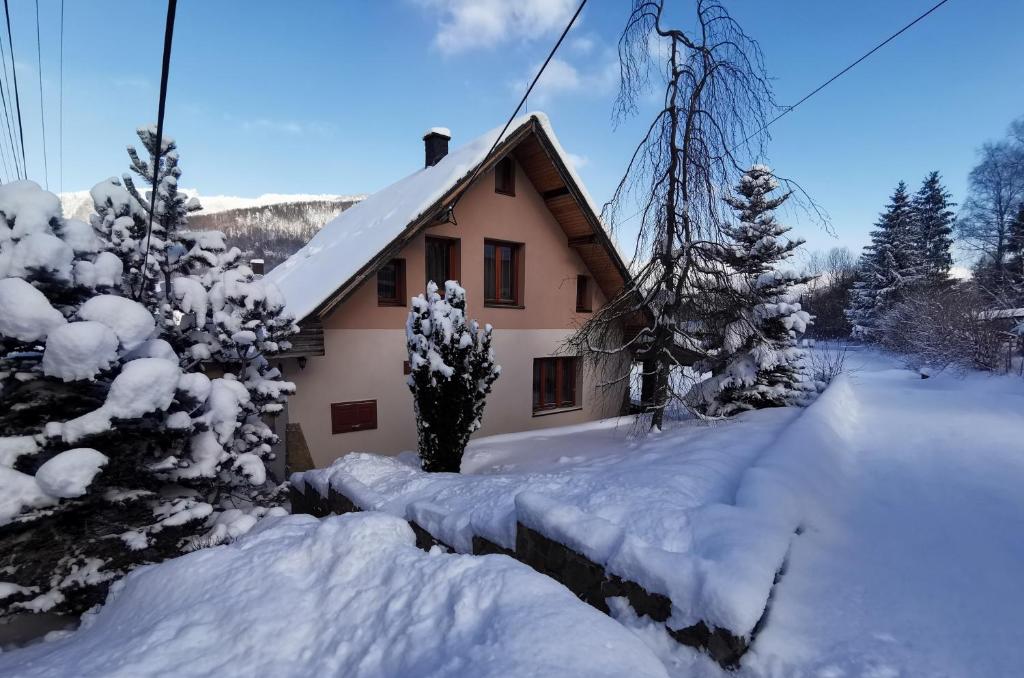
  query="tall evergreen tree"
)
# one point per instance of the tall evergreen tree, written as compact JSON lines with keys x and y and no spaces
{"x":1015,"y":265}
{"x":452,"y":371}
{"x":759,"y":362}
{"x":892,"y":264}
{"x":116,"y":449}
{"x":933,"y":218}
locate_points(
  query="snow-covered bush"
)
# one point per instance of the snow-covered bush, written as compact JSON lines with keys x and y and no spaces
{"x":452,"y":370}
{"x":758,"y":363}
{"x":116,"y":449}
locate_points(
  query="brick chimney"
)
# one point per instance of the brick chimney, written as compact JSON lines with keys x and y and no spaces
{"x":435,"y":144}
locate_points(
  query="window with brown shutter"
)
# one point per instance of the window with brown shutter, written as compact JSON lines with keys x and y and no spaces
{"x":391,"y":283}
{"x":583,"y":294}
{"x":503,"y":273}
{"x":505,"y":176}
{"x":442,"y":261}
{"x":357,"y":415}
{"x":555,"y":383}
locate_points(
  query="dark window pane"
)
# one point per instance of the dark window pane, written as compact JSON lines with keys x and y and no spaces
{"x":438,"y":260}
{"x":387,"y":282}
{"x":568,"y":396}
{"x":489,"y":262}
{"x":536,"y":384}
{"x":506,"y":273}
{"x":549,"y":383}
{"x":582,"y":293}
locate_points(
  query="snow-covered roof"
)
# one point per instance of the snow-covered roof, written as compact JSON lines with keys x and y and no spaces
{"x":352,"y":239}
{"x":1002,"y":314}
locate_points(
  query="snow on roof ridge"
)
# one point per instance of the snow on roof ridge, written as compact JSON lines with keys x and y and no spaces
{"x":346,"y":243}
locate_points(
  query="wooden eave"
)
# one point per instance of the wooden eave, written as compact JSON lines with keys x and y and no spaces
{"x":536,"y":154}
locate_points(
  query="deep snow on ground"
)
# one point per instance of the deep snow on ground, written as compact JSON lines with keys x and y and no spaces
{"x":661,"y":511}
{"x":921,"y":575}
{"x":347,"y":596}
{"x":907,"y":490}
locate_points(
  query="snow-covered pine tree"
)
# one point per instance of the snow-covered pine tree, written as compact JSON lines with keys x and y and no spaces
{"x":759,"y":364}
{"x":115,"y":449}
{"x":89,"y":402}
{"x":452,"y":371}
{"x":933,"y":219}
{"x":891,"y":265}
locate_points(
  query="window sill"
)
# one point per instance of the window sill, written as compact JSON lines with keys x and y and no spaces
{"x":510,"y":194}
{"x":390,"y":303}
{"x":557,"y":410}
{"x":584,"y":310}
{"x":494,"y":304}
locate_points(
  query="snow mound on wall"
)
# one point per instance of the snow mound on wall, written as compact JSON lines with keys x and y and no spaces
{"x":346,"y":596}
{"x":704,"y":515}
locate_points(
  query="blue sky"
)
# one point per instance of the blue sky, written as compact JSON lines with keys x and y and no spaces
{"x":332,"y":97}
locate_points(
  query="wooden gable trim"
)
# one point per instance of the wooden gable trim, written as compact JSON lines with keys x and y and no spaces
{"x":569,"y":193}
{"x":433,"y":215}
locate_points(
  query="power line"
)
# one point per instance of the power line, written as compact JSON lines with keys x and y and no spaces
{"x":512,"y":117}
{"x":7,"y":112}
{"x":17,"y":97}
{"x":172,"y":6}
{"x":42,"y":110}
{"x":8,"y":104}
{"x":790,"y":109}
{"x":60,"y":107}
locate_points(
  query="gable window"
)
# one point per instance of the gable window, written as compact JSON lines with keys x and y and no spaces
{"x":554,"y":383}
{"x":505,"y":176}
{"x":442,"y":260}
{"x":502,"y":273}
{"x":391,"y":283}
{"x":583,"y":294}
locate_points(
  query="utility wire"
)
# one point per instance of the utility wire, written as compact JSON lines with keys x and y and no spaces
{"x":17,"y":98}
{"x":476,"y":172}
{"x":42,"y":110}
{"x":172,"y":6}
{"x":6,"y":97}
{"x":60,"y":107}
{"x":790,"y":109}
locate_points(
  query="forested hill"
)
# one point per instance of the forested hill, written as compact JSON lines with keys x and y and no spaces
{"x":270,"y":227}
{"x":273,"y":232}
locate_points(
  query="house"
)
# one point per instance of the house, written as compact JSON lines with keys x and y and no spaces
{"x":526,"y":243}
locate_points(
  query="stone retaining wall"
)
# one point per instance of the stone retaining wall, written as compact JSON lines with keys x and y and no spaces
{"x":585,"y":578}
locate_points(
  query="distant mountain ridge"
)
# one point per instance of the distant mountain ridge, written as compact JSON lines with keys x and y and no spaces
{"x":271,"y":226}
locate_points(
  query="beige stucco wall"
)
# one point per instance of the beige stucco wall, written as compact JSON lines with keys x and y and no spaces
{"x":365,"y":343}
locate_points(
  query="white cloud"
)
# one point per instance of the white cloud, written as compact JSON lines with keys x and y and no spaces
{"x":561,"y":77}
{"x":578,"y":161}
{"x":582,"y":45}
{"x":464,"y":25}
{"x":291,"y":127}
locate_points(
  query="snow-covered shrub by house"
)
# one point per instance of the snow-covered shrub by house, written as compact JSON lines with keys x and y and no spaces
{"x":452,"y":370}
{"x":758,"y":363}
{"x":116,"y":448}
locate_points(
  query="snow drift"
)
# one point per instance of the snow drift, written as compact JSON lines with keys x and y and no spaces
{"x":347,"y":596}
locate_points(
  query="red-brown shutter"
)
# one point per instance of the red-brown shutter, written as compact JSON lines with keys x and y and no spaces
{"x":359,"y":415}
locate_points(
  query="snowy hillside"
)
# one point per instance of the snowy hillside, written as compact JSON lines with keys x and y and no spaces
{"x":271,"y":226}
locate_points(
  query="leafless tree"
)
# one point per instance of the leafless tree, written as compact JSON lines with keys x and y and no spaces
{"x":715,"y":105}
{"x":995,"y":191}
{"x":832,"y":276}
{"x":952,"y":326}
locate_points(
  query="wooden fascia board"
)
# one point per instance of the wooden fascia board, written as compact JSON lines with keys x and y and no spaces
{"x":595,"y":223}
{"x":428,"y":218}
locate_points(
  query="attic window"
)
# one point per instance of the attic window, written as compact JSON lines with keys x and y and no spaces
{"x":583,"y":294}
{"x":391,"y":283}
{"x":505,"y":176}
